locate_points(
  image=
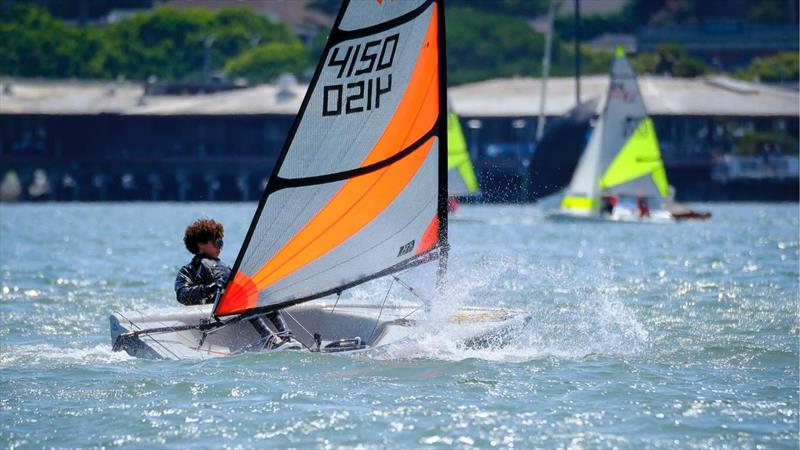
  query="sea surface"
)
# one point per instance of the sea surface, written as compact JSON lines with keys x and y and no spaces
{"x":643,"y":336}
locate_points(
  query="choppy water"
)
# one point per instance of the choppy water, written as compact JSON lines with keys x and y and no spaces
{"x":642,"y":337}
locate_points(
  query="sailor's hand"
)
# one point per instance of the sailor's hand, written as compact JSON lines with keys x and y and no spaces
{"x":211,"y":288}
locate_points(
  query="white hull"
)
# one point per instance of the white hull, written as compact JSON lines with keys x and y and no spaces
{"x":622,"y":216}
{"x":463,"y":219}
{"x":472,"y":327}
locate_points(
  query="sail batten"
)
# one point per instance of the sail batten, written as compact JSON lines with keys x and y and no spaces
{"x":357,"y":190}
{"x":282,"y":183}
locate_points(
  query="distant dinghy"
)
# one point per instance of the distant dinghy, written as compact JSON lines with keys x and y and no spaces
{"x":620,"y":176}
{"x":359,"y":192}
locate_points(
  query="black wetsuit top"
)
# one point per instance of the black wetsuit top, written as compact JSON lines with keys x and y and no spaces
{"x":197,"y":282}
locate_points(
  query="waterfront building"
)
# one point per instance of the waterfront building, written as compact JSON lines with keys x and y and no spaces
{"x":111,"y":141}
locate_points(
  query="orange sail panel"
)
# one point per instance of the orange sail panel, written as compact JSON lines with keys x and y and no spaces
{"x":387,"y":207}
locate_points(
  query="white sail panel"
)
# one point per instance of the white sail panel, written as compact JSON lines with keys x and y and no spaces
{"x":357,"y":191}
{"x":455,"y":183}
{"x":583,"y":189}
{"x":356,"y":96}
{"x":367,"y":13}
{"x":382,"y":243}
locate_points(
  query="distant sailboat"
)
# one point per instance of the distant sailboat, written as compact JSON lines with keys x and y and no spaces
{"x":461,"y":179}
{"x":359,"y":192}
{"x":620,"y":176}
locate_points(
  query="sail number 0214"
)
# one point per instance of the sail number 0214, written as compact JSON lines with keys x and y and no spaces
{"x":360,"y":59}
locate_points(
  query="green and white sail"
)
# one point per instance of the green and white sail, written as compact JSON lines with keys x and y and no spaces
{"x":622,"y":156}
{"x":461,"y":179}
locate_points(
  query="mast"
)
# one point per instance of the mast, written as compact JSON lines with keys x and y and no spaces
{"x":548,"y":45}
{"x":577,"y":42}
{"x":442,"y":206}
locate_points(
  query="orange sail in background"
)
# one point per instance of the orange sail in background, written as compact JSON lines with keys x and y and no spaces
{"x":360,"y":188}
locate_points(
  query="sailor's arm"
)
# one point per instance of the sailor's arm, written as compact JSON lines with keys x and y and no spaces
{"x":190,"y":293}
{"x":218,"y":271}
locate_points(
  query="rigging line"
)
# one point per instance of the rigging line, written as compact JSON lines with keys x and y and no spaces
{"x":412,"y":312}
{"x":411,"y":289}
{"x":301,"y":326}
{"x":175,"y":328}
{"x":338,"y":296}
{"x":145,"y":333}
{"x":377,"y":321}
{"x":140,"y":332}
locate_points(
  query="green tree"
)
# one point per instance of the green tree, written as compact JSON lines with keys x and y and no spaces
{"x":35,"y":44}
{"x":481,"y":46}
{"x":326,"y":6}
{"x":768,"y":11}
{"x":167,"y":42}
{"x":517,"y":8}
{"x":669,"y":59}
{"x":754,"y":141}
{"x":316,"y":47}
{"x":267,"y":61}
{"x":779,"y":68}
{"x":237,"y":29}
{"x":170,"y":43}
{"x":81,"y":10}
{"x":592,"y":25}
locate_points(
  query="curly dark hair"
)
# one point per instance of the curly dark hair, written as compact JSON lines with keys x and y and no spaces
{"x":202,"y":230}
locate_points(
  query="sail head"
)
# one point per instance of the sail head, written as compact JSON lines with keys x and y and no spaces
{"x":583,"y":189}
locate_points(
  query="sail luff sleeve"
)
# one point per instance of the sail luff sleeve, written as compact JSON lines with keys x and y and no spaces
{"x":442,"y":207}
{"x":356,"y":189}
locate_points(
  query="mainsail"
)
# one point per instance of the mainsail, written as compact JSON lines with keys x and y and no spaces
{"x":359,"y":190}
{"x":461,"y":179}
{"x":622,"y":156}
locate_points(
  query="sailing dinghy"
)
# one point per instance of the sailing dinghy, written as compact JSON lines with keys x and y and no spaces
{"x":620,"y":176}
{"x":358,"y":192}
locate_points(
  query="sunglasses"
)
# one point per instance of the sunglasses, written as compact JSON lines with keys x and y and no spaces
{"x":218,"y":243}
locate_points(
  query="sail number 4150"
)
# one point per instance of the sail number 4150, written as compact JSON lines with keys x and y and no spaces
{"x":360,"y":59}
